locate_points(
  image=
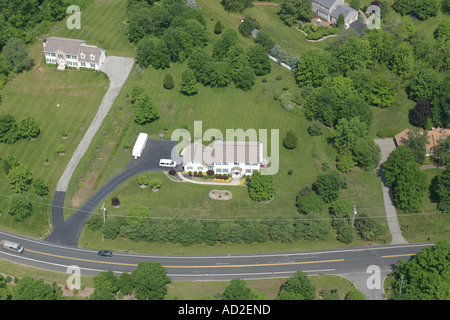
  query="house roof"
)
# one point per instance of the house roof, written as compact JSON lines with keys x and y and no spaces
{"x":223,"y":151}
{"x":325,"y":3}
{"x":433,"y":137}
{"x":73,"y":47}
{"x":342,"y":9}
{"x":87,"y":51}
{"x":236,"y":151}
{"x":66,"y":45}
{"x":197,"y":152}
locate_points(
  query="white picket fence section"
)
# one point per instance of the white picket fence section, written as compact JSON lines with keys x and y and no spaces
{"x":280,"y":63}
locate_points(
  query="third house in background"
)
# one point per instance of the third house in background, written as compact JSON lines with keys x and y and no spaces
{"x":72,"y":53}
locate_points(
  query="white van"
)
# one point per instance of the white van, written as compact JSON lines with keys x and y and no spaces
{"x":12,"y":246}
{"x":167,"y":163}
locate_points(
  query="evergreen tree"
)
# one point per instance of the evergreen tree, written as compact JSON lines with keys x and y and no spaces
{"x":218,"y":27}
{"x":168,"y":81}
{"x":188,"y":84}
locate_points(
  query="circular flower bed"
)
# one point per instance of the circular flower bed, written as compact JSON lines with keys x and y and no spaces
{"x":220,"y":194}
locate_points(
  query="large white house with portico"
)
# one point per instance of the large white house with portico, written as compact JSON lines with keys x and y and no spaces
{"x":224,"y":157}
{"x":72,"y":53}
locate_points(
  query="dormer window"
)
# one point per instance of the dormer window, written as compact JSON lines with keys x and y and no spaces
{"x":92,"y":57}
{"x":82,"y":56}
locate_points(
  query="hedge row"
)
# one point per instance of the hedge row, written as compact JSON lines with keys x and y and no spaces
{"x":211,"y":232}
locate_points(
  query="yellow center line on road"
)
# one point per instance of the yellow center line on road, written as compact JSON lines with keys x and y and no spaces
{"x":191,"y":267}
{"x":400,"y":255}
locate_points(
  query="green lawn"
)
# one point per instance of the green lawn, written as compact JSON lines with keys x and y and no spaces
{"x":101,"y":25}
{"x":37,"y":93}
{"x":209,"y":290}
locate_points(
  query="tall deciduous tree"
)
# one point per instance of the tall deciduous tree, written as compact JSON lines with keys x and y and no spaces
{"x":29,"y":128}
{"x":312,"y":68}
{"x":150,"y":281}
{"x":410,"y":188}
{"x":236,"y":5}
{"x":258,"y":60}
{"x":144,"y":109}
{"x":19,"y":207}
{"x":425,"y":276}
{"x":402,"y":60}
{"x":297,"y":287}
{"x":15,"y":55}
{"x":395,"y":163}
{"x":383,"y":92}
{"x":293,"y":10}
{"x":31,"y":289}
{"x":227,"y":39}
{"x":20,"y":178}
{"x":441,"y":188}
{"x":328,"y":185}
{"x":424,"y":85}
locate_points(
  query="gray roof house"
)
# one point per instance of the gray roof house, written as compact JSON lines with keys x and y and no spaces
{"x":224,"y":157}
{"x":72,"y":53}
{"x":330,"y":10}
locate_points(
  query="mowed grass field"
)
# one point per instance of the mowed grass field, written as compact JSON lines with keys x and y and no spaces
{"x":101,"y":25}
{"x":37,"y":93}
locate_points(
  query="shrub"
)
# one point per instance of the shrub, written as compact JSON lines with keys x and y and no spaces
{"x":168,"y":81}
{"x":290,"y":141}
{"x":155,"y":183}
{"x":40,"y":187}
{"x":310,"y":203}
{"x":94,"y":222}
{"x":315,"y":129}
{"x":210,"y":173}
{"x":172,"y":172}
{"x":368,"y":228}
{"x":115,"y":202}
{"x":60,"y":149}
{"x":143,"y":180}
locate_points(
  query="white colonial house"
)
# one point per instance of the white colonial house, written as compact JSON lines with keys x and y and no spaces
{"x":72,"y":53}
{"x":224,"y":157}
{"x":329,"y":10}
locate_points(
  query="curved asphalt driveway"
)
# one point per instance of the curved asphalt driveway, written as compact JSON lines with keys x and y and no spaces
{"x":117,"y":69}
{"x":67,"y":232}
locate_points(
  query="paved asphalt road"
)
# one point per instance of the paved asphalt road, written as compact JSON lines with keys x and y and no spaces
{"x":67,"y":232}
{"x":352,"y":263}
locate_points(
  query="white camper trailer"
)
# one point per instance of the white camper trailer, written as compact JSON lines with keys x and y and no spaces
{"x":140,"y":145}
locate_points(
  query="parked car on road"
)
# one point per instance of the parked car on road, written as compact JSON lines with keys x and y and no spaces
{"x":105,"y":253}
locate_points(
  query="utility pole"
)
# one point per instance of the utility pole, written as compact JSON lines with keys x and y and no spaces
{"x":354,"y":215}
{"x":104,"y":210}
{"x":401,"y":284}
{"x":104,"y":218}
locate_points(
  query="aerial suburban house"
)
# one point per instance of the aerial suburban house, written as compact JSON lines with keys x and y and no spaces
{"x":329,"y":10}
{"x":433,"y":135}
{"x":72,"y":53}
{"x":224,"y":157}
